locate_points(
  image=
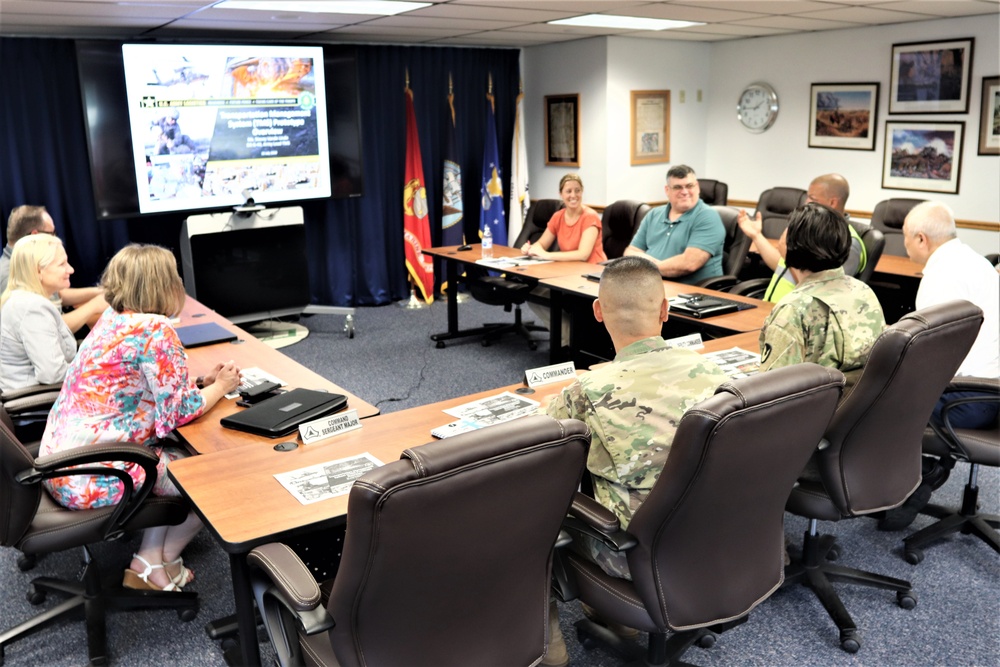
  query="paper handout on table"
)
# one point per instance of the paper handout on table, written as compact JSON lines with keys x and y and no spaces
{"x":736,"y":362}
{"x":486,"y":412}
{"x":326,"y":480}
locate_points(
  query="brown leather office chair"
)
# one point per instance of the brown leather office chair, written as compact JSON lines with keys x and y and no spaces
{"x":888,"y":218}
{"x":707,"y":545}
{"x":619,"y":223}
{"x":734,"y":251}
{"x":539,"y":214}
{"x":870,"y":460}
{"x":713,"y":193}
{"x":978,"y":447}
{"x":32,"y":522}
{"x":775,"y":205}
{"x":447,"y":557}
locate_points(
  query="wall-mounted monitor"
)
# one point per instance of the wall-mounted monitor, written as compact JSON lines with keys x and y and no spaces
{"x":210,"y":126}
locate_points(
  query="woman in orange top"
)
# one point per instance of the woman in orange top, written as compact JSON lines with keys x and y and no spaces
{"x":576,"y":227}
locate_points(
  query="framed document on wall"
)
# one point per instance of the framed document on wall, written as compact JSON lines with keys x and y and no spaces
{"x":650,"y":135}
{"x":562,"y":130}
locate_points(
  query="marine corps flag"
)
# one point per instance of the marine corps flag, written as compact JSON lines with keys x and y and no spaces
{"x":416,"y":228}
{"x":491,"y":212}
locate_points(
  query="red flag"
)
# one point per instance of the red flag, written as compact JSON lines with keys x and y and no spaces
{"x":416,"y":227}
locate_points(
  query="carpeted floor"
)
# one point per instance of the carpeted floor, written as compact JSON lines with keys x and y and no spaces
{"x":392,"y":363}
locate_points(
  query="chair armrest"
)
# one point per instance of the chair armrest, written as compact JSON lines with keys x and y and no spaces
{"x":283,"y":585}
{"x":8,"y":396}
{"x":74,"y":462}
{"x":984,"y":385}
{"x":589,"y":517}
{"x":721,"y":283}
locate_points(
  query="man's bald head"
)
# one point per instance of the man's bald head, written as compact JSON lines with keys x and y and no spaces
{"x":630,"y":300}
{"x":829,"y":190}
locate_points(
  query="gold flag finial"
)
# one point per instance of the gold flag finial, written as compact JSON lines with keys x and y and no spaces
{"x":490,"y":89}
{"x":407,"y":70}
{"x":451,"y":90}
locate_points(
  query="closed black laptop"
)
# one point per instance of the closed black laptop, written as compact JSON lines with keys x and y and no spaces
{"x":282,"y":414}
{"x":701,"y":306}
{"x":209,"y":333}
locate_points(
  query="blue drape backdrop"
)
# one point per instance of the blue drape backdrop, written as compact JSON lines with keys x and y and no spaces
{"x":355,"y":250}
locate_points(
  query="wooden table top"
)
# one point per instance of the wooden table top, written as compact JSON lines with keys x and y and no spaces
{"x":890,"y":264}
{"x":535,"y":272}
{"x":235,"y":492}
{"x":748,"y":341}
{"x":751,"y":319}
{"x":205,"y":434}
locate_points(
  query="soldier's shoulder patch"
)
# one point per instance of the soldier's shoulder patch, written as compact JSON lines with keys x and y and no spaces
{"x":765,"y":352}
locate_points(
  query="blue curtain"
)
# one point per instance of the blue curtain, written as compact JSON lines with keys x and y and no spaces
{"x":355,"y":249}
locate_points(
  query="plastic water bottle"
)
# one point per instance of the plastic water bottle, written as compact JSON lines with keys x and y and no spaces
{"x":487,"y":243}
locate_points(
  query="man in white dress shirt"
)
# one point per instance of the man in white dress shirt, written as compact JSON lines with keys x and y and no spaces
{"x":952,"y":270}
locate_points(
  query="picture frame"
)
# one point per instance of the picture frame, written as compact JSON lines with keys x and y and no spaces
{"x":926,"y":157}
{"x":562,"y":130}
{"x":649,"y":137}
{"x":989,"y":117}
{"x":843,"y":115}
{"x":931,"y":77}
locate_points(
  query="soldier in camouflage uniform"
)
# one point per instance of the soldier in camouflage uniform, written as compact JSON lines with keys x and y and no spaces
{"x":829,"y":318}
{"x":633,"y":405}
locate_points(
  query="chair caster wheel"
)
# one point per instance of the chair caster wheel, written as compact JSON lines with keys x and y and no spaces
{"x":98,"y":662}
{"x":707,"y":640}
{"x":906,"y":599}
{"x":532,"y":346}
{"x":485,"y":343}
{"x":913,"y":556}
{"x":34,"y":595}
{"x":26,"y":562}
{"x":187,"y":615}
{"x":228,"y":644}
{"x":586,"y":641}
{"x":440,"y":345}
{"x":833,"y":554}
{"x":850,"y":641}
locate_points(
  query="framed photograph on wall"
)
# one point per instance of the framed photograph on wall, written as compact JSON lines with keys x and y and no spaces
{"x":842,"y":115}
{"x":650,"y":135}
{"x":989,"y":117}
{"x":562,"y":130}
{"x":923,"y":156}
{"x":931,"y":77}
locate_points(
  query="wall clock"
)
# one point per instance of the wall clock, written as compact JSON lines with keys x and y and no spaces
{"x":758,"y":107}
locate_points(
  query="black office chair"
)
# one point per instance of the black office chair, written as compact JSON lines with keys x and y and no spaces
{"x":869,"y":460}
{"x":619,"y":223}
{"x":447,"y":558}
{"x":734,"y":251}
{"x":28,"y":409}
{"x":707,"y":545}
{"x":874,"y":242}
{"x":539,"y":214}
{"x":775,"y":205}
{"x":888,"y":218}
{"x":713,"y":193}
{"x":36,"y":524}
{"x":978,"y":447}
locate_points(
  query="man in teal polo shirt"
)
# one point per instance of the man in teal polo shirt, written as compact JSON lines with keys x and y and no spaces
{"x":683,"y":238}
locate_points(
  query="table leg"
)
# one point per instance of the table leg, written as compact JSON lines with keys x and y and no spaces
{"x":555,"y":326}
{"x":248,"y":652}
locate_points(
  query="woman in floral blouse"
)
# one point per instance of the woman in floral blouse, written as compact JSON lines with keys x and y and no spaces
{"x":129,"y":382}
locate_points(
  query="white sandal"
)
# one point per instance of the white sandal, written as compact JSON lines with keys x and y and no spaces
{"x":183,"y":577}
{"x":140,"y":580}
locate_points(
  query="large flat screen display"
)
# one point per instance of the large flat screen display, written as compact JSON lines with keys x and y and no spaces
{"x":214,"y":125}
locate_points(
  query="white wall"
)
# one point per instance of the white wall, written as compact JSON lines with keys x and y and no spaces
{"x":751,"y":163}
{"x":709,"y":137}
{"x":558,"y":69}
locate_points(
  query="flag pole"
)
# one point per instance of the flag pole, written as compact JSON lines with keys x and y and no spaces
{"x":413,"y":303}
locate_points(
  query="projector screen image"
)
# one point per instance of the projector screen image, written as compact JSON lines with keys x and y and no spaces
{"x":212,"y":126}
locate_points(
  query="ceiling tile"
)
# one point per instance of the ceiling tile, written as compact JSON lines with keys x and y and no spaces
{"x":468,"y":25}
{"x":498,"y":12}
{"x":795,"y":23}
{"x":681,"y":12}
{"x":865,"y":15}
{"x":759,"y":6}
{"x":941,"y":7}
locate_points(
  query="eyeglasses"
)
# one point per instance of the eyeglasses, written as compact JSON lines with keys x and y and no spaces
{"x":686,"y":186}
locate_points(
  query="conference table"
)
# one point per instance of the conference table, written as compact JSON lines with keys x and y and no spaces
{"x":242,"y":504}
{"x":205,"y":434}
{"x":574,"y":293}
{"x":455,"y":258}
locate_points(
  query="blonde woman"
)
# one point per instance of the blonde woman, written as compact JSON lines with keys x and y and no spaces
{"x":576,"y":227}
{"x":36,"y":346}
{"x":130,"y":383}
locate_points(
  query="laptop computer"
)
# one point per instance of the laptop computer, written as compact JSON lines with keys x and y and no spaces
{"x":282,"y":414}
{"x":701,"y":306}
{"x":208,"y":333}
